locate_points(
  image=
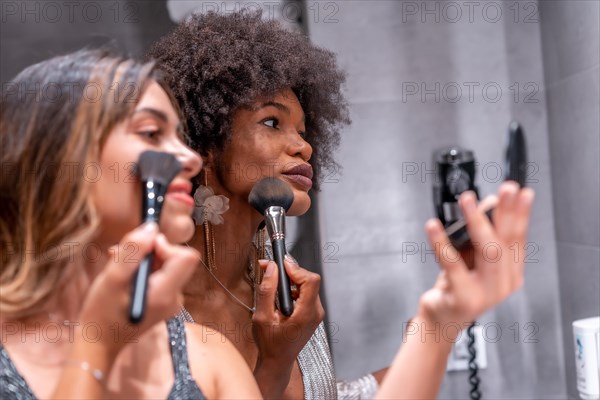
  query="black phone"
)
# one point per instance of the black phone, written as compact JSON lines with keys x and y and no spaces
{"x":455,"y":169}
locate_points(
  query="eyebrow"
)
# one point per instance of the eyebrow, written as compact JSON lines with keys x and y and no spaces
{"x":158,"y":114}
{"x":275,"y":104}
{"x":279,"y":106}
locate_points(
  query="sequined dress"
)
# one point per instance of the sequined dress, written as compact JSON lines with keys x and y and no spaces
{"x":318,"y":375}
{"x":14,"y":386}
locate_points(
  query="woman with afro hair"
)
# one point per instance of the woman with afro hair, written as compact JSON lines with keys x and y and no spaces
{"x":262,"y":101}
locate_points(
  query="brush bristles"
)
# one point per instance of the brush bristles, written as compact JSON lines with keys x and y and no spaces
{"x":270,"y":192}
{"x":161,"y":167}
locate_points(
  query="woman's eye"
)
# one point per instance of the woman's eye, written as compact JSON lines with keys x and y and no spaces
{"x":271,"y":122}
{"x":150,"y":133}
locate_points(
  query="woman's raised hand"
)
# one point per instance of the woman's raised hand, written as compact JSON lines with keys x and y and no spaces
{"x":279,"y":338}
{"x":474,"y":281}
{"x":107,"y":302}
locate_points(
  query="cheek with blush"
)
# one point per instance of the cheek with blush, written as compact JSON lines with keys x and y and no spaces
{"x":118,"y":206}
{"x":300,"y":205}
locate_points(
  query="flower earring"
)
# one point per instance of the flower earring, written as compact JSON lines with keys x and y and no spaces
{"x":209,"y":207}
{"x":207,"y":212}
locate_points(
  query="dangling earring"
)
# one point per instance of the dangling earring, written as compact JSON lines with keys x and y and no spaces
{"x":255,"y":273}
{"x":207,"y":212}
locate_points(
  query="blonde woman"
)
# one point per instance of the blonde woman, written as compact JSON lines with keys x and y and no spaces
{"x":71,"y":128}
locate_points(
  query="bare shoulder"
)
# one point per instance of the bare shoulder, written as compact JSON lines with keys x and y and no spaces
{"x":216,"y":363}
{"x":208,"y":353}
{"x":207,"y":342}
{"x":132,"y":366}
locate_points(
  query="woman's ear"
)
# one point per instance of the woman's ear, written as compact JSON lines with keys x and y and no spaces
{"x":209,"y":160}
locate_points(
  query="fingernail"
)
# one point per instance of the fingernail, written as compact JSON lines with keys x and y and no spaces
{"x":469,"y":201}
{"x":162,"y":239}
{"x":529,"y":196}
{"x":290,"y":259}
{"x":270,"y":269}
{"x":512,"y":186}
{"x":150,"y":226}
{"x":432,"y":224}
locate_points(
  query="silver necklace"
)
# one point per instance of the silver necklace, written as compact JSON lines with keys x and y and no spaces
{"x":252,"y":309}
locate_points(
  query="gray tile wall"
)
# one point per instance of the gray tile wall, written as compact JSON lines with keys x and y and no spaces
{"x":372,"y":214}
{"x":571,"y":43}
{"x":33,"y":31}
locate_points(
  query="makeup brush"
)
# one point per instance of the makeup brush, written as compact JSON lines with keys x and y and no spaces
{"x":272,"y":198}
{"x":156,"y":171}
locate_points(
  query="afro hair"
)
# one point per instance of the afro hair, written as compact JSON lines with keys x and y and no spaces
{"x":217,"y":63}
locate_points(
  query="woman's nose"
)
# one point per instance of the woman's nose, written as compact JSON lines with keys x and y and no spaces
{"x":300,"y":147}
{"x":190,"y":161}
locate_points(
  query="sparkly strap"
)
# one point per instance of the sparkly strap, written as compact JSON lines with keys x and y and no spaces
{"x":178,"y":344}
{"x":12,"y":384}
{"x":316,"y":367}
{"x":185,"y":316}
{"x":362,"y":388}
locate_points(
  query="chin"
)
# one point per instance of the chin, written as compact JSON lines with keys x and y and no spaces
{"x":177,"y":229}
{"x":300,"y":205}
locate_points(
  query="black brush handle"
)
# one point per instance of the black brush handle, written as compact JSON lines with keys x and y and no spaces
{"x":151,"y":208}
{"x":284,"y":292}
{"x":140,"y":288}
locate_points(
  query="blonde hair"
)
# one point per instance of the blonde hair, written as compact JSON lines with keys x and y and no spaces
{"x":54,"y":119}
